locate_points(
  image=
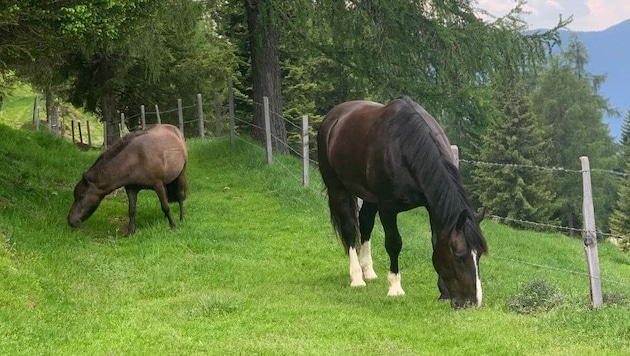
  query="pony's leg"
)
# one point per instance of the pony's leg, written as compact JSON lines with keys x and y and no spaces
{"x":367,"y":214}
{"x":132,"y":197}
{"x":160,"y":189}
{"x":393,"y":245}
{"x":343,"y":209}
{"x":181,"y":194}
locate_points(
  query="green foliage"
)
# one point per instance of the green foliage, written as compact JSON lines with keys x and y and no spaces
{"x":513,"y":192}
{"x":569,"y":106}
{"x":619,"y":221}
{"x":537,"y":296}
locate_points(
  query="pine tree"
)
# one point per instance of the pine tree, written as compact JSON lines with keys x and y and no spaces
{"x":619,"y":222}
{"x":515,"y":192}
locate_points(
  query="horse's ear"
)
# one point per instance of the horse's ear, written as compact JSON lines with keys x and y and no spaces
{"x":461,"y":220}
{"x":480,"y":215}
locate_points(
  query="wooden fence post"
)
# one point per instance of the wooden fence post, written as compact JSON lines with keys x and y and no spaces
{"x":455,"y":152}
{"x":267,"y":130}
{"x":217,"y":116}
{"x":157,"y":114}
{"x":80,"y":132}
{"x":122,"y":124}
{"x":36,"y":114}
{"x":305,"y":152}
{"x":87,"y":122}
{"x":72,"y":126}
{"x":589,"y":235}
{"x":180,"y":114}
{"x":143,"y":118}
{"x":200,"y":113}
{"x":231,"y":111}
{"x":104,"y":135}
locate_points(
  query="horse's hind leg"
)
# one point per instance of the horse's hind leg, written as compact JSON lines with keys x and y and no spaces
{"x":160,"y":189}
{"x":343,"y":209}
{"x":393,"y":245}
{"x":132,"y":197}
{"x":367,"y":215}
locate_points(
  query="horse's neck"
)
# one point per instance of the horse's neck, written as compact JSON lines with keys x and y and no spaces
{"x":110,"y":175}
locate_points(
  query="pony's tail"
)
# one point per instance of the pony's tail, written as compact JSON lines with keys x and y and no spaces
{"x":177,"y":188}
{"x":337,"y":223}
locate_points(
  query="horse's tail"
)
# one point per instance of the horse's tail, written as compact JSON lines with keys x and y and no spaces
{"x":177,"y":188}
{"x":337,"y":222}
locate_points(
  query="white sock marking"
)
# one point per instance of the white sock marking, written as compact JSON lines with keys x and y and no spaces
{"x":365,"y":260}
{"x":478,"y":280}
{"x":394,"y":285}
{"x":356,"y":276}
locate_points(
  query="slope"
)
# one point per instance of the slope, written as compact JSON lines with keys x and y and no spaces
{"x":256,"y":269}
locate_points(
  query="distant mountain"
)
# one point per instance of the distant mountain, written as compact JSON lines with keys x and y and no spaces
{"x":609,"y":53}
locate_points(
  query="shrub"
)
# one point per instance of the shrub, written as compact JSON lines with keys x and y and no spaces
{"x":537,"y":296}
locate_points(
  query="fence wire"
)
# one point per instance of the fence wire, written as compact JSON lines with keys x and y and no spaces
{"x":298,"y":177}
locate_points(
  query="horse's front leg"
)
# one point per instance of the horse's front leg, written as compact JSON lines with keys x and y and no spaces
{"x":367,"y":216}
{"x":160,"y":189}
{"x":132,"y":197}
{"x":393,"y":245}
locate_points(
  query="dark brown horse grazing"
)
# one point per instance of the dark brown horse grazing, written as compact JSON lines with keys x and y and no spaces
{"x":396,"y":157}
{"x":151,"y":159}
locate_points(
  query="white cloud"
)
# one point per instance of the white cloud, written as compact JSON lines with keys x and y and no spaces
{"x":588,"y":15}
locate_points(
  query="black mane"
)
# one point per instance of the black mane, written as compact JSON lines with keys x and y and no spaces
{"x":439,"y":179}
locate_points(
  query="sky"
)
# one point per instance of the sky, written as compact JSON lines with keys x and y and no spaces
{"x":588,"y":15}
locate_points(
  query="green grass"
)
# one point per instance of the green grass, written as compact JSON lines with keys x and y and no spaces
{"x":17,"y":111}
{"x":256,"y":269}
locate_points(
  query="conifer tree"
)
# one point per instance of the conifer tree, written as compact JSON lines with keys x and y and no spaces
{"x":516,"y":192}
{"x":619,"y":222}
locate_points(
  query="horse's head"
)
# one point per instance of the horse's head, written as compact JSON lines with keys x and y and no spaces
{"x":87,"y":198}
{"x":456,"y":260}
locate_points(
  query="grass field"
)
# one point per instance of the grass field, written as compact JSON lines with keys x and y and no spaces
{"x":17,"y":111}
{"x":256,"y":269}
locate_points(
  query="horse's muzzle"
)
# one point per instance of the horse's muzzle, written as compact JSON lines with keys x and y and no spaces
{"x":74,"y":222}
{"x":457,"y":303}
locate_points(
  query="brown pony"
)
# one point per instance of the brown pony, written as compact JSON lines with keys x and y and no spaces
{"x":154,"y":158}
{"x":396,"y":157}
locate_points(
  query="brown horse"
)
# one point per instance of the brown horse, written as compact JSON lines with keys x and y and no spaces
{"x":154,"y":158}
{"x":396,"y":157}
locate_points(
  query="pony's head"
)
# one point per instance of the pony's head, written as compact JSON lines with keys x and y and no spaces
{"x":87,"y":198}
{"x":456,"y":255}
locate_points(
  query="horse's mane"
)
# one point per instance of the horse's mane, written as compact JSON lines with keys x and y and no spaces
{"x":117,"y":147}
{"x":439,"y":178}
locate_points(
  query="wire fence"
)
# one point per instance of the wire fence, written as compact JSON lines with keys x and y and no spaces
{"x":191,"y":118}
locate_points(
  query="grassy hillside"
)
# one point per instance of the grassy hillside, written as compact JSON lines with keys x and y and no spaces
{"x":256,"y":269}
{"x":17,"y":111}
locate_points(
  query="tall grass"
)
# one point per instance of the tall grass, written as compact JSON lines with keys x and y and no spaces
{"x":256,"y":269}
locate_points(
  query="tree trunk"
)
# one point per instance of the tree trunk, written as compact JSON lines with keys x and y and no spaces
{"x":265,"y":58}
{"x":108,"y":98}
{"x":52,"y":112}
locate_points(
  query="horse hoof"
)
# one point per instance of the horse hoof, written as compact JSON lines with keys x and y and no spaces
{"x":360,"y":283}
{"x":369,"y":275}
{"x":393,"y":292}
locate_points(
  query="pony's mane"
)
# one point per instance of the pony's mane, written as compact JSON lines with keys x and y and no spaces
{"x":439,"y":178}
{"x":117,"y":147}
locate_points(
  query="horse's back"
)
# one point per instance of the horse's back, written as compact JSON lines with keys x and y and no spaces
{"x":163,"y":151}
